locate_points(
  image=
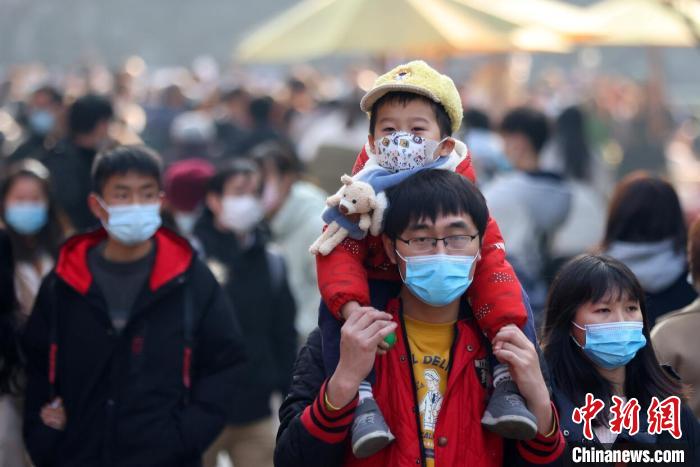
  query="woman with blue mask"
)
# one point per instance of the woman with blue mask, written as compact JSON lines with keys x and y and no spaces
{"x":30,"y":234}
{"x":34,"y":226}
{"x":596,"y":341}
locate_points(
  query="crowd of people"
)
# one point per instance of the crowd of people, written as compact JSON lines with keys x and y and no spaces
{"x":157,"y":289}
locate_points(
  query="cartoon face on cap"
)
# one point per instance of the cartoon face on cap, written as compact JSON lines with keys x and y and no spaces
{"x":402,"y":74}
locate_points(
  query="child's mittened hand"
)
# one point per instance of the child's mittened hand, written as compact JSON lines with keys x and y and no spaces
{"x":54,"y":415}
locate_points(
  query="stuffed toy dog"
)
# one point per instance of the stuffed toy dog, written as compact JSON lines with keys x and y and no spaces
{"x":353,"y":211}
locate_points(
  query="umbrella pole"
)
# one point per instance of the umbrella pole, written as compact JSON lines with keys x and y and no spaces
{"x":656,"y":92}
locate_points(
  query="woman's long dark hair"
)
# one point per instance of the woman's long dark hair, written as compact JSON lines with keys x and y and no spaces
{"x":570,"y":137}
{"x":51,"y":235}
{"x":10,"y":360}
{"x":645,"y":208}
{"x":586,"y":279}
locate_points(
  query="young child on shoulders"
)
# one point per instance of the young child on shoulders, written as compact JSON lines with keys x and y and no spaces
{"x":413,"y":112}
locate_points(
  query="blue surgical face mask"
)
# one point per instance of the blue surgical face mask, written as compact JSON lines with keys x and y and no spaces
{"x":27,"y":218}
{"x":41,"y":122}
{"x":131,"y":224}
{"x":438,"y":280}
{"x":612,"y":345}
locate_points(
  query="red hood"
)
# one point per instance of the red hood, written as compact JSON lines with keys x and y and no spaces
{"x":173,"y":256}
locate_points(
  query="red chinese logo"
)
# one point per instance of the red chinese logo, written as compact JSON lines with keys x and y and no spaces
{"x":587,"y":413}
{"x":662,"y":415}
{"x":624,"y":415}
{"x":665,"y":416}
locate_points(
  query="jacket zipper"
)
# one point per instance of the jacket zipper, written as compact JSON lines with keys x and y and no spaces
{"x":407,"y":346}
{"x":155,"y":296}
{"x":416,"y":412}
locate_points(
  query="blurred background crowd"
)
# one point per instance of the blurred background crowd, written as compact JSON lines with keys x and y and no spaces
{"x":589,"y":148}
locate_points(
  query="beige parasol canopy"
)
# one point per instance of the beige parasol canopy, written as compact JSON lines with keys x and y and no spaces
{"x":317,"y":28}
{"x":645,"y":22}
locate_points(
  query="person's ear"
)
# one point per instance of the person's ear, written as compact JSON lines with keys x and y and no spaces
{"x":446,"y":147}
{"x":389,"y":248}
{"x":370,"y":141}
{"x":213,"y":202}
{"x":96,"y":207}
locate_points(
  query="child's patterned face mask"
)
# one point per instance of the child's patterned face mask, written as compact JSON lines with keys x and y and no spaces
{"x":404,"y":151}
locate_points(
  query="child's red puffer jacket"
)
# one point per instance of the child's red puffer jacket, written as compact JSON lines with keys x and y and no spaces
{"x":495,"y":295}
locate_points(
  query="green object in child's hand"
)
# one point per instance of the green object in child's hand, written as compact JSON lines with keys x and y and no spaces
{"x":390,"y":339}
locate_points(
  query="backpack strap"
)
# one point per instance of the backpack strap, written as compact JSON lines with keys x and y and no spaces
{"x":188,"y":320}
{"x":53,"y":339}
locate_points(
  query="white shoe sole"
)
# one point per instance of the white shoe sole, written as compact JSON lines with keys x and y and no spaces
{"x":510,"y":426}
{"x":371,"y":443}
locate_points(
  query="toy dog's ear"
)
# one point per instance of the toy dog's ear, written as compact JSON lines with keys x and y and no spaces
{"x":346,"y":179}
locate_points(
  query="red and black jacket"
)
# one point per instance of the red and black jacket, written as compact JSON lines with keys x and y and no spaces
{"x":310,"y":435}
{"x":154,"y":394}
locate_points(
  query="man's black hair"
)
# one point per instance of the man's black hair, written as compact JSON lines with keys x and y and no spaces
{"x":528,"y":122}
{"x":403,"y":98}
{"x":53,"y":93}
{"x":87,"y":112}
{"x":476,"y":119}
{"x":235,"y":167}
{"x":123,"y":159}
{"x":432,"y":193}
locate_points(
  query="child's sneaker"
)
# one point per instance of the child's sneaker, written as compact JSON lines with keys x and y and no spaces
{"x":507,"y":414}
{"x":370,"y":433}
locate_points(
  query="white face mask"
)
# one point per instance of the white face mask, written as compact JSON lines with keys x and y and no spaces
{"x":241,"y":213}
{"x":186,"y":221}
{"x":402,"y":150}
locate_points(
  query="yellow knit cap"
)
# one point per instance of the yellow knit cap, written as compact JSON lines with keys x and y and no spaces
{"x":420,"y":78}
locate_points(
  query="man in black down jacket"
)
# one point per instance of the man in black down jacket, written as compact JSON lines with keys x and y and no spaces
{"x":132,"y":346}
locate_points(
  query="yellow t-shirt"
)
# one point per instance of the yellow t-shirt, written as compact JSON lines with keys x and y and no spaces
{"x":430,"y":350}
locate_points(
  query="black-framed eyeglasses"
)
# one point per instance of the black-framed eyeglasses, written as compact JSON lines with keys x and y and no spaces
{"x":452,"y":243}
